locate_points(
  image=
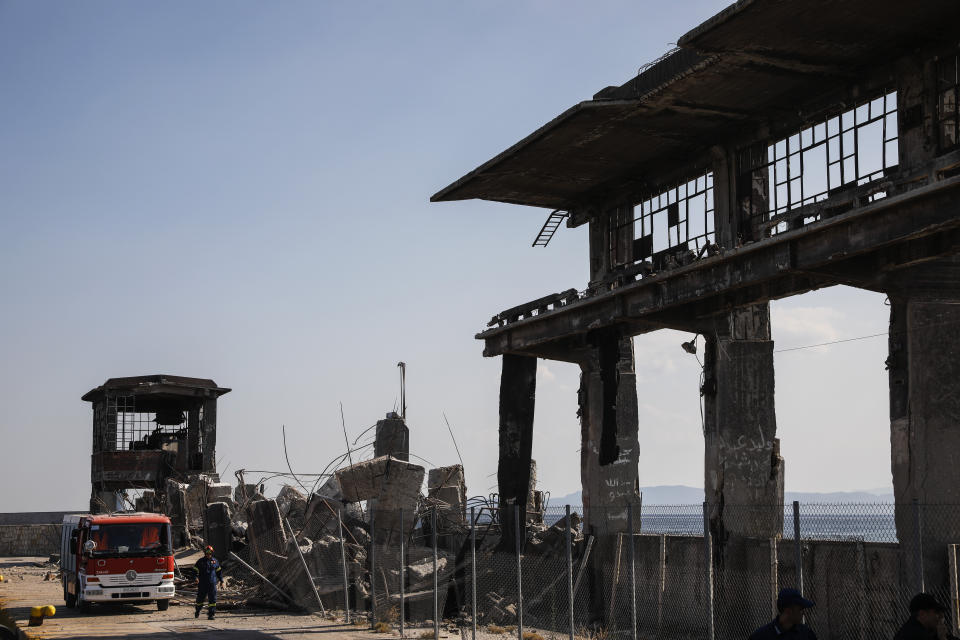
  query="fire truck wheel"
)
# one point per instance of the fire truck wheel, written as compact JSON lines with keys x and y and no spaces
{"x":69,"y":598}
{"x":163,"y":605}
{"x":7,"y":634}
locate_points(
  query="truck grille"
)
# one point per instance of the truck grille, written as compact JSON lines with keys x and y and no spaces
{"x":122,"y":581}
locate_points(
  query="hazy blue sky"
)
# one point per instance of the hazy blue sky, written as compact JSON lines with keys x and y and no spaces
{"x":239,"y":190}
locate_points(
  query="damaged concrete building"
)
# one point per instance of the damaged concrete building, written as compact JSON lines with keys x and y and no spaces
{"x":148,"y":430}
{"x":782,"y":147}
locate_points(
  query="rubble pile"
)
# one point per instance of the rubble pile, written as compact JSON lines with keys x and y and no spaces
{"x":299,"y":548}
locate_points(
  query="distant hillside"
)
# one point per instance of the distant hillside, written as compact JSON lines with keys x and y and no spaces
{"x":680,"y":494}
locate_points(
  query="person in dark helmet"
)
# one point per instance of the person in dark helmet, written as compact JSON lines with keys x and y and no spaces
{"x":926,"y":621}
{"x":209,"y":575}
{"x":788,"y":625}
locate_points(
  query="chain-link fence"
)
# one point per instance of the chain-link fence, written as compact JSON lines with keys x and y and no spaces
{"x":500,"y":572}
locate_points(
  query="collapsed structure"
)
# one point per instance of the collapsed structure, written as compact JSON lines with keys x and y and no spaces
{"x":781,"y":148}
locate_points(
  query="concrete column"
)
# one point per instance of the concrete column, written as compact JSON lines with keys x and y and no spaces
{"x":193,"y":440}
{"x":925,"y":411}
{"x":392,"y":438}
{"x":743,"y":468}
{"x":518,"y":387}
{"x":209,"y":435}
{"x":609,"y":451}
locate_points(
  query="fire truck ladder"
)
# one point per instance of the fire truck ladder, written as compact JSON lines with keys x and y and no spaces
{"x":549,"y":228}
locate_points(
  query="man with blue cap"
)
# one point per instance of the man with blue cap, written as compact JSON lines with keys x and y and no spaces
{"x":788,"y":625}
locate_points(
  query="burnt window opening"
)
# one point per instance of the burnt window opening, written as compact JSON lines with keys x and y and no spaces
{"x":855,"y":147}
{"x":120,"y":426}
{"x":948,"y":112}
{"x":670,"y":221}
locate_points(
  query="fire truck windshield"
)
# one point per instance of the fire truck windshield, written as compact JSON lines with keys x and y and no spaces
{"x":130,"y":539}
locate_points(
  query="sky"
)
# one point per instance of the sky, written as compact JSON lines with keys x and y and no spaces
{"x":240,"y":191}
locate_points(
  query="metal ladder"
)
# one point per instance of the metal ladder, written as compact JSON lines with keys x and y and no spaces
{"x":549,"y":228}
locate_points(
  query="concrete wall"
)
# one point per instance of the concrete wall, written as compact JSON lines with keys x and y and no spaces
{"x":859,"y":587}
{"x":29,"y":539}
{"x":35,"y":517}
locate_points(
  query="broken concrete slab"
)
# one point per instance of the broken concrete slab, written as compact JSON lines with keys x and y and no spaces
{"x":293,"y":505}
{"x":265,"y":530}
{"x":217,"y":528}
{"x":389,"y":485}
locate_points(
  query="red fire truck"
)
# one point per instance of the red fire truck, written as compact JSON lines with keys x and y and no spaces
{"x":119,"y":557}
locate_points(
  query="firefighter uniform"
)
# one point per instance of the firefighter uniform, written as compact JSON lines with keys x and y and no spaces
{"x":208,"y":576}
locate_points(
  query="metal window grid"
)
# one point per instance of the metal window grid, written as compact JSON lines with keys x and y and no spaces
{"x":806,"y":166}
{"x":677,"y":218}
{"x":133,"y":426}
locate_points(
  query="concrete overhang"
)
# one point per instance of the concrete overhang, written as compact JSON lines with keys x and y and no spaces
{"x":750,"y":66}
{"x":157,"y":385}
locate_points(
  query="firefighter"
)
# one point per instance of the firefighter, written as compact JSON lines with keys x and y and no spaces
{"x":209,"y":575}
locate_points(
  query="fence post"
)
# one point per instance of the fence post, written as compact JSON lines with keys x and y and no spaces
{"x":343,"y":561}
{"x":708,"y":561}
{"x":473,"y":572}
{"x":373,"y":569}
{"x":633,"y":573}
{"x":403,"y":571}
{"x":516,"y":532}
{"x":798,"y":545}
{"x":918,"y":544}
{"x":436,"y":579}
{"x":569,"y":572}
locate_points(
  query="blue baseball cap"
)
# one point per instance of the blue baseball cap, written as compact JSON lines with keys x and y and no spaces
{"x":789,"y":597}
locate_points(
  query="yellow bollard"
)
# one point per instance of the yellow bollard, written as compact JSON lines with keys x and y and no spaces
{"x":37,"y":614}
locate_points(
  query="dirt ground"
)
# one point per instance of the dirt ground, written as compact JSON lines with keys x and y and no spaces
{"x":33,"y":581}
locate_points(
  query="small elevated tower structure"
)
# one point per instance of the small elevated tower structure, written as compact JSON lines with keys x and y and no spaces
{"x":147,"y":429}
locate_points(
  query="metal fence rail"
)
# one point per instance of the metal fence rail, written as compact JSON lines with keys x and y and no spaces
{"x":639,"y":573}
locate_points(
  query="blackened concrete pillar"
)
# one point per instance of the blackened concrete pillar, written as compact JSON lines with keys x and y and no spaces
{"x":518,"y":386}
{"x":193,"y":441}
{"x":209,"y":435}
{"x":392,"y":438}
{"x":924,"y":377}
{"x":609,"y":451}
{"x":743,"y":468}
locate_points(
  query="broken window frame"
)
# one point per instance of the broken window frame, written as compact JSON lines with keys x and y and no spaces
{"x":669,"y":207}
{"x":132,"y":425}
{"x":780,"y":169}
{"x":948,"y":106}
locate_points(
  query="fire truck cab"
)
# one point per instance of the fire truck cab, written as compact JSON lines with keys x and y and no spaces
{"x":118,"y":557}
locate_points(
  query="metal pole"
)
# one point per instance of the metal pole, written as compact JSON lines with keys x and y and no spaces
{"x":473,"y":572}
{"x":261,"y":576}
{"x":516,"y":531}
{"x":918,"y":543}
{"x":343,"y":560}
{"x":436,"y":580}
{"x":373,"y":569}
{"x":708,"y":562}
{"x":403,"y":571}
{"x":633,"y":574}
{"x":797,"y":545}
{"x":306,"y":569}
{"x":569,"y":573}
